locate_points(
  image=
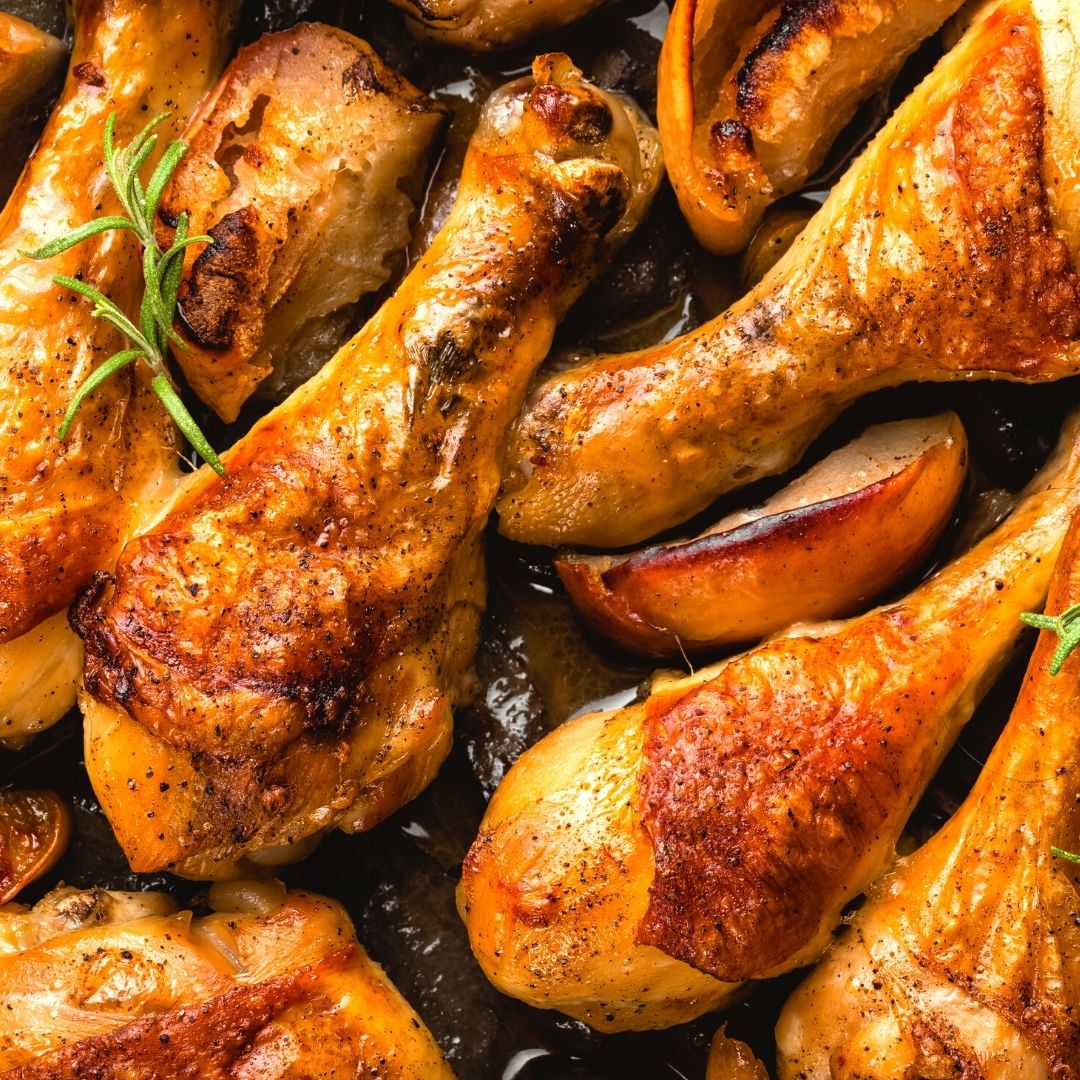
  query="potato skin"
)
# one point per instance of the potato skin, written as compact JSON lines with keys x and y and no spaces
{"x":818,"y":561}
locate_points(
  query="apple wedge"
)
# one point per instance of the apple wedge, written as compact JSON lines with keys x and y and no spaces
{"x":841,"y":534}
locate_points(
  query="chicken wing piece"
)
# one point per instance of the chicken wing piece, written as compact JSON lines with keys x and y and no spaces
{"x":635,"y":867}
{"x":282,"y":652}
{"x":305,"y":166}
{"x":269,"y":986}
{"x":943,"y":254}
{"x":965,"y":960}
{"x":66,"y":507}
{"x":488,"y":25}
{"x":752,"y":95}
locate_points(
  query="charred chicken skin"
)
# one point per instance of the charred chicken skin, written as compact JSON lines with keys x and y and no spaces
{"x":944,"y":253}
{"x":283,"y":650}
{"x":486,"y":25}
{"x":963,"y":961}
{"x":635,"y":867}
{"x":752,"y":94}
{"x":269,"y":986}
{"x":67,"y":507}
{"x":305,"y":166}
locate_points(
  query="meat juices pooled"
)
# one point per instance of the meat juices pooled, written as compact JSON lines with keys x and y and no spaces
{"x":636,"y":867}
{"x":960,"y":269}
{"x":283,"y":651}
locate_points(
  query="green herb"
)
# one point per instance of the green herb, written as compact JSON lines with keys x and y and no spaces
{"x":1066,"y":626}
{"x":150,"y":339}
{"x":1065,"y":855}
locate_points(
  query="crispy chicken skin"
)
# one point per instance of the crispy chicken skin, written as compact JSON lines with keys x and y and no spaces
{"x":635,"y":867}
{"x":269,"y":986}
{"x":29,"y":58}
{"x":943,"y":254}
{"x":284,"y":649}
{"x":66,"y":508}
{"x":965,"y":961}
{"x":752,"y":94}
{"x":487,"y":25}
{"x":305,"y":166}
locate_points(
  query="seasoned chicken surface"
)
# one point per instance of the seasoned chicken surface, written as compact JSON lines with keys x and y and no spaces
{"x":752,"y":94}
{"x":965,"y":961}
{"x":944,"y":253}
{"x":269,"y":986}
{"x":283,"y":651}
{"x":29,"y":59}
{"x":635,"y":867}
{"x":486,"y":25}
{"x":67,"y":507}
{"x":305,"y":165}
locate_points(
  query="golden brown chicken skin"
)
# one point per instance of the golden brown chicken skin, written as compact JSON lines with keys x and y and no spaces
{"x":487,"y":25}
{"x":943,"y":254}
{"x":966,"y":959}
{"x":635,"y":867}
{"x":305,"y":165}
{"x":269,"y":986}
{"x":283,"y":651}
{"x":752,"y":94}
{"x":67,"y":507}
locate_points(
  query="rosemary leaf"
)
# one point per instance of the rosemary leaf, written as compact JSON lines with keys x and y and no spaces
{"x":185,"y":422}
{"x":162,"y":271}
{"x":102,"y":372}
{"x":1061,"y":854}
{"x":1066,"y":626}
{"x":77,"y":236}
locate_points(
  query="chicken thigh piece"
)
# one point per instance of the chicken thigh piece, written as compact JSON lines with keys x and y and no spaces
{"x":67,"y":507}
{"x":282,"y":652}
{"x":965,"y":960}
{"x":268,"y":986}
{"x":636,"y":867}
{"x":945,"y":253}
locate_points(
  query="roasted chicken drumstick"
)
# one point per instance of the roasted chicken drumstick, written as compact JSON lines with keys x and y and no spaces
{"x":946,"y":252}
{"x":66,"y":507}
{"x":269,"y":986}
{"x":283,"y":651}
{"x":965,"y":958}
{"x":634,"y":867}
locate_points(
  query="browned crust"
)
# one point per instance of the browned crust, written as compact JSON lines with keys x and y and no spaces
{"x":797,"y":19}
{"x":201,"y":1042}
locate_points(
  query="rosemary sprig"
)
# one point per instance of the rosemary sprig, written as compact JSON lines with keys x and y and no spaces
{"x":1062,"y":854}
{"x":1066,"y":626}
{"x":150,"y":339}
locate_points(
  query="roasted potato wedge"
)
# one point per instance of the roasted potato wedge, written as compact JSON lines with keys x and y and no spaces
{"x":488,"y":25}
{"x":306,"y":165}
{"x":841,"y":534}
{"x":752,"y":95}
{"x":35,"y":827}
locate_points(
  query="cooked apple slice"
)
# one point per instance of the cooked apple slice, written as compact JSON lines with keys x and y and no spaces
{"x":34,"y":831}
{"x":830,"y":541}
